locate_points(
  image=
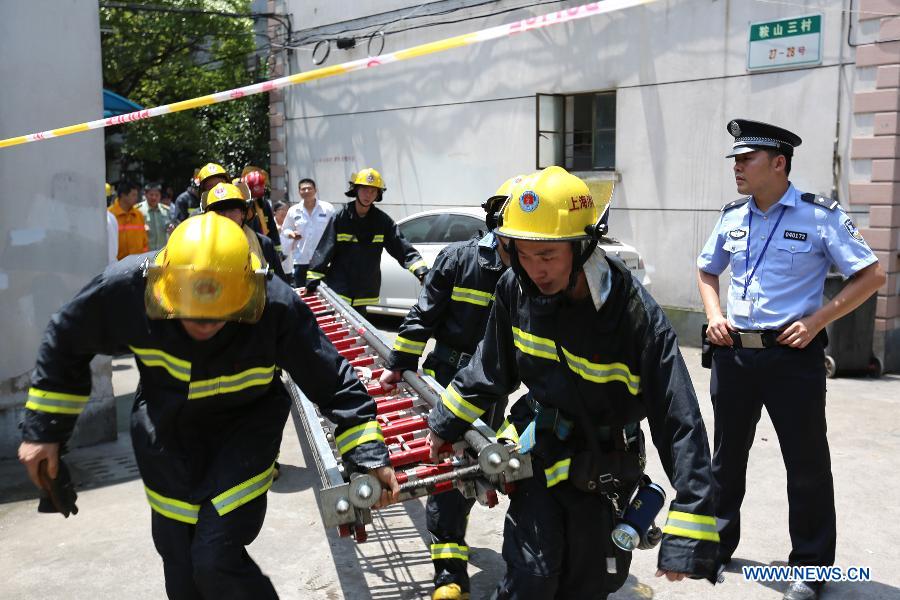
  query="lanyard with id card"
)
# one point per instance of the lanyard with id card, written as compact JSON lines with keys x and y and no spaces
{"x":742,"y":307}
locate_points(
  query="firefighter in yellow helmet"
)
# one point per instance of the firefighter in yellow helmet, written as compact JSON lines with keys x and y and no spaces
{"x":188,"y":202}
{"x":597,"y":355}
{"x":348,"y":256}
{"x":453,"y":307}
{"x":208,"y":329}
{"x":233,"y":201}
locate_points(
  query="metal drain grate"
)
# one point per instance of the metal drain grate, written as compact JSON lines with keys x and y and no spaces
{"x":104,"y":470}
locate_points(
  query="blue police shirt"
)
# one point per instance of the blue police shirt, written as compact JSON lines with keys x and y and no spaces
{"x":790,"y":279}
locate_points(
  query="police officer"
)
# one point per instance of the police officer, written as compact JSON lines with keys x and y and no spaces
{"x":233,"y":201}
{"x":779,"y":243}
{"x":348,"y":256}
{"x":208,"y":331}
{"x":453,"y":307}
{"x":597,"y":355}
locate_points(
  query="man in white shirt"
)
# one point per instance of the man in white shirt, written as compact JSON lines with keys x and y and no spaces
{"x":112,"y":238}
{"x":303,"y":226}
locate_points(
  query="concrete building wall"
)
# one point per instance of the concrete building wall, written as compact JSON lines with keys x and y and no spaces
{"x":52,"y":218}
{"x":446,"y":129}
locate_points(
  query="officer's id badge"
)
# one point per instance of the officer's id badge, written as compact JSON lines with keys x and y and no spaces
{"x":799,"y":236}
{"x":529,"y":201}
{"x":737,"y":234}
{"x":854,"y":232}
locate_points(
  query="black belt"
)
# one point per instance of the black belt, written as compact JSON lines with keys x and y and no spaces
{"x":448,"y":355}
{"x":552,"y":418}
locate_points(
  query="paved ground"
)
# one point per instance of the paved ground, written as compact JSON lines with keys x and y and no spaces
{"x":106,"y":550}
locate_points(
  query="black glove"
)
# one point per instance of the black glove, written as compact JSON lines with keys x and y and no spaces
{"x":61,"y":495}
{"x":311,"y":286}
{"x":420,"y":273}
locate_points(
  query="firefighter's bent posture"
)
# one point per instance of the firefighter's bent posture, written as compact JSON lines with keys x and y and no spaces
{"x":597,"y":355}
{"x":208,"y":331}
{"x":453,"y":307}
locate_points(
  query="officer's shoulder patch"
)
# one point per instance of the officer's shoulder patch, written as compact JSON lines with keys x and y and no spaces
{"x":736,"y":203}
{"x":852,"y":230}
{"x":820,"y":201}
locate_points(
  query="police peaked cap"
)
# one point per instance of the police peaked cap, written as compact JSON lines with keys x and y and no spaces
{"x":754,"y":135}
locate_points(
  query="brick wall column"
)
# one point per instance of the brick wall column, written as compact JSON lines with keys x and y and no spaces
{"x":278,"y":67}
{"x":882,"y":191}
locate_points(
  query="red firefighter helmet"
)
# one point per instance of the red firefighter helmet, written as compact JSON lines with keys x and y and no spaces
{"x":256,"y":180}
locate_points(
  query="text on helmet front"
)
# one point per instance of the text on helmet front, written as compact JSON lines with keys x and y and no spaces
{"x":579,"y":202}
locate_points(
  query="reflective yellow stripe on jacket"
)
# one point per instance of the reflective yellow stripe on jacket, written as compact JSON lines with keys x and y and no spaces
{"x":466,"y":411}
{"x":172,"y":508}
{"x":153,"y":357}
{"x":507,"y":431}
{"x":534,"y":345}
{"x":698,"y":527}
{"x":604,"y":372}
{"x":365,"y":301}
{"x":227,"y":384}
{"x":559,"y":472}
{"x":403,"y":344}
{"x":472,"y":296}
{"x":244,"y":492}
{"x":314,"y":275}
{"x":369,"y":431}
{"x":55,"y":402}
{"x":419,"y":263}
{"x":448,"y":551}
{"x":378,"y":239}
{"x":346,"y":237}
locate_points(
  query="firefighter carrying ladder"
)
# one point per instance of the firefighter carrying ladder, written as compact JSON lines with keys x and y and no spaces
{"x":481,"y":466}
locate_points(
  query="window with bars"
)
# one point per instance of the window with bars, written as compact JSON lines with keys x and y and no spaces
{"x":577,"y":131}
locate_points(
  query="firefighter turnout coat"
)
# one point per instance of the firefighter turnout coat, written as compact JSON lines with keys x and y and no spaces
{"x":348,"y":256}
{"x":454,"y":304}
{"x":624,"y":363}
{"x":208,"y":416}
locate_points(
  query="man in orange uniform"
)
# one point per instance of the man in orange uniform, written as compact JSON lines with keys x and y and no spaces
{"x":132,"y":229}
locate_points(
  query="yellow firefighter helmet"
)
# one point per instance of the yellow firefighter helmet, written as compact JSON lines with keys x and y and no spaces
{"x":494,"y":204}
{"x":206,"y":271}
{"x":549,"y":205}
{"x":211,"y":170}
{"x":368,"y":177}
{"x":224,"y":192}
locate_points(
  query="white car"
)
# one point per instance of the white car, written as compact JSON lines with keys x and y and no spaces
{"x":432,"y":230}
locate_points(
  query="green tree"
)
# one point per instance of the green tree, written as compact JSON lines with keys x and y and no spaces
{"x":156,"y":57}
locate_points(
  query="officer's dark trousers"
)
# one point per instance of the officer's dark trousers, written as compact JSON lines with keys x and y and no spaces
{"x":791,"y":385}
{"x":555,"y":543}
{"x":447,"y":514}
{"x":209,"y":559}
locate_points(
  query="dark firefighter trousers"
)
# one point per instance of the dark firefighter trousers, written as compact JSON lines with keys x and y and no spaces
{"x":556,"y":542}
{"x":791,"y":385}
{"x":447,"y":514}
{"x":209,"y":559}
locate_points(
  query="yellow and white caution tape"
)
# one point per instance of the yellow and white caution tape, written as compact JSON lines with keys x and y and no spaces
{"x":554,"y":18}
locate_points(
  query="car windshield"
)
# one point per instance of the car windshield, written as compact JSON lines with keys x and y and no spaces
{"x":442,"y":228}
